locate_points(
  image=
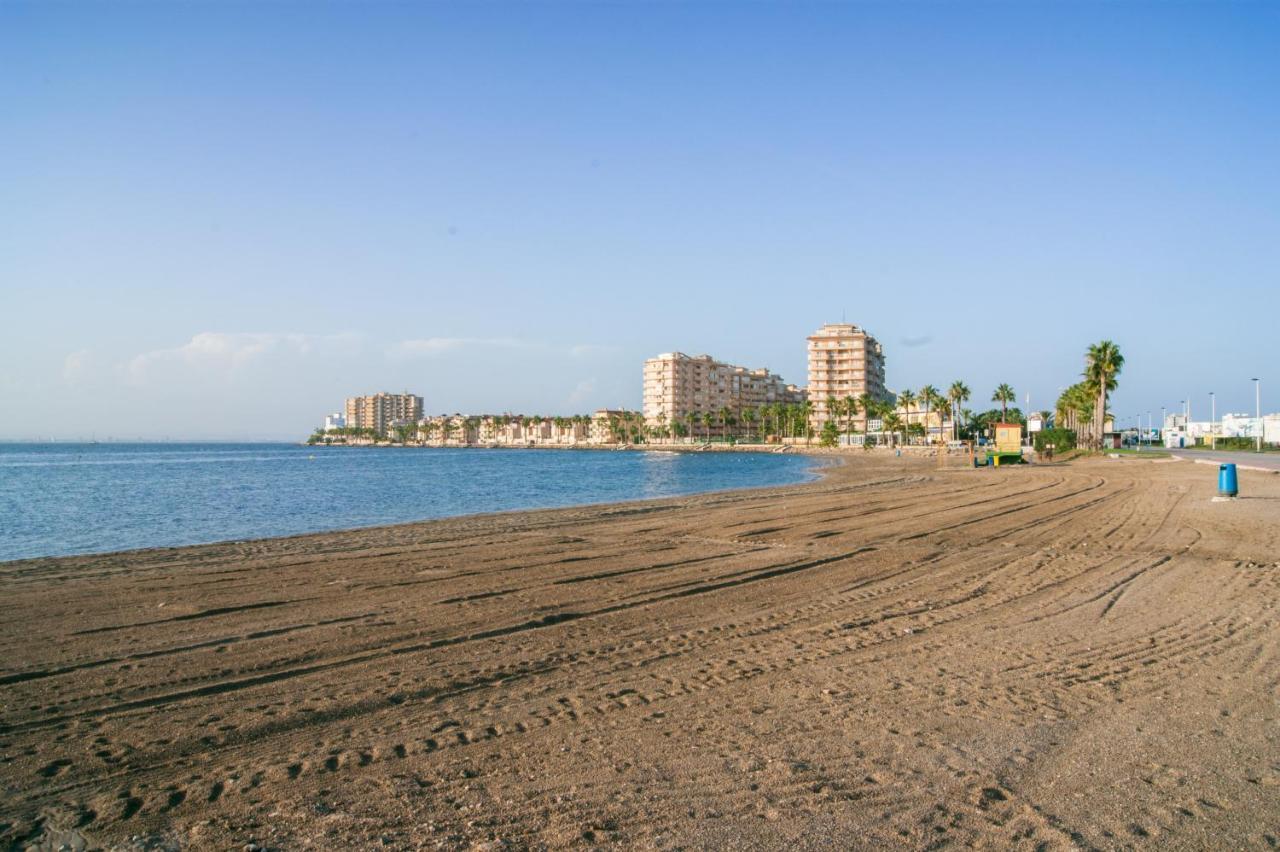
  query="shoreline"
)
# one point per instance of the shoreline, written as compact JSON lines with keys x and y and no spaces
{"x":816,"y":473}
{"x":894,"y":653}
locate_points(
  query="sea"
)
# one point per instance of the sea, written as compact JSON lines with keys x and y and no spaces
{"x":60,"y":499}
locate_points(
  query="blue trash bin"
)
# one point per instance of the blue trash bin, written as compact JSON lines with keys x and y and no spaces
{"x":1227,"y":486}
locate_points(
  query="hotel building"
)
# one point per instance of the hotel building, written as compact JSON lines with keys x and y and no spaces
{"x":844,"y":361}
{"x":382,"y":410}
{"x":676,"y":385}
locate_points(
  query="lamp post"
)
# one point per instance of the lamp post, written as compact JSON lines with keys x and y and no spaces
{"x":1213,"y":421}
{"x":1162,"y":416}
{"x":1257,"y":411}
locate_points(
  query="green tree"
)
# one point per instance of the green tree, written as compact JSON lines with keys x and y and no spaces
{"x":1004,"y":395}
{"x":930,"y":399}
{"x":958,"y":394}
{"x":906,"y":399}
{"x":1103,"y":363}
{"x":892,"y":425}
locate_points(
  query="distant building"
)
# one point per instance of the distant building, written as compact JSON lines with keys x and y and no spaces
{"x":1239,"y":426}
{"x":844,"y":361}
{"x":677,"y":385}
{"x":334,"y":421}
{"x":1271,"y":429}
{"x":381,"y":410}
{"x":612,"y":425}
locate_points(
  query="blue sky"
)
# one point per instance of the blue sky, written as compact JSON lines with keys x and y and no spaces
{"x":221,"y":219}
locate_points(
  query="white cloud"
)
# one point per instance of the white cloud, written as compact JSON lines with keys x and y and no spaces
{"x":582,"y":350}
{"x":429,"y":346}
{"x":583,"y":391}
{"x":75,"y":365}
{"x":234,"y":350}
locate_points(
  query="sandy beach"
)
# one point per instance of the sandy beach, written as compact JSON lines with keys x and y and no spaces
{"x":1079,"y":655}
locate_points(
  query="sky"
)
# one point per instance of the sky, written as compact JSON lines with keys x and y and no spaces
{"x":218,"y":220}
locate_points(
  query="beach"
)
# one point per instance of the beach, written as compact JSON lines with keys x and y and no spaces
{"x":1054,"y":656}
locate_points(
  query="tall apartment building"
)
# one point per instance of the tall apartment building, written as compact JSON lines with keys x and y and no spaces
{"x":381,"y":410}
{"x":676,"y":385}
{"x":844,"y":361}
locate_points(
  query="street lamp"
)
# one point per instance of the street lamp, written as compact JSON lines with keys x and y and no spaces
{"x":1257,"y":410}
{"x":1213,"y":421}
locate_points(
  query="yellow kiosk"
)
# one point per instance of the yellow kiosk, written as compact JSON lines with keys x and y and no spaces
{"x":1008,"y":444}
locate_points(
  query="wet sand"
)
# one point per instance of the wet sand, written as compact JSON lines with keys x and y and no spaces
{"x":1059,"y":656}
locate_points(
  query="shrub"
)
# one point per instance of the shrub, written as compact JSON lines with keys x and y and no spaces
{"x":1224,"y":443}
{"x":1062,"y":439}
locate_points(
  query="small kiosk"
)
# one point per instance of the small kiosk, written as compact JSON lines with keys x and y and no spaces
{"x":1008,"y":448}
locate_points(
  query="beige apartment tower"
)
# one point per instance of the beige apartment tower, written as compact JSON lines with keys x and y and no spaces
{"x":381,"y":410}
{"x":676,"y":385}
{"x":844,"y":361}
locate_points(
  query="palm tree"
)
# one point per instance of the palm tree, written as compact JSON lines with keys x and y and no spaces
{"x":726,"y":417}
{"x":892,"y":423}
{"x":1103,"y":363}
{"x":806,"y":408}
{"x":906,"y":399}
{"x":1004,"y":395}
{"x":958,"y":393}
{"x":707,"y":417}
{"x":929,"y":398}
{"x":850,"y":406}
{"x":867,"y":403}
{"x":1074,"y":407}
{"x":749,"y":419}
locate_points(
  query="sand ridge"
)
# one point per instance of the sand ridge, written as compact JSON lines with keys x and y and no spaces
{"x":1079,"y":655}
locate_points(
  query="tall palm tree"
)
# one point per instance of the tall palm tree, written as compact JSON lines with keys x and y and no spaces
{"x":707,"y":418}
{"x":906,"y":399}
{"x":1103,"y":363}
{"x":1074,"y":408}
{"x":892,"y":423}
{"x":867,"y":404}
{"x":851,"y":409}
{"x":749,"y":420}
{"x":1004,"y":395}
{"x":806,"y":409}
{"x":929,"y":398}
{"x":959,"y":394}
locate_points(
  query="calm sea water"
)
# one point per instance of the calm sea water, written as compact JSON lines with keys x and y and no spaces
{"x":61,"y":499}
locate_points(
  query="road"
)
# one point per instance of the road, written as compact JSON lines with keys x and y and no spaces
{"x":1271,"y":461}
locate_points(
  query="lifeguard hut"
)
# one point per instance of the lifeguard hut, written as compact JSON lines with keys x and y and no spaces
{"x":1008,"y":449}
